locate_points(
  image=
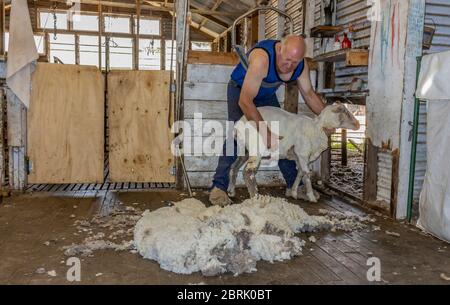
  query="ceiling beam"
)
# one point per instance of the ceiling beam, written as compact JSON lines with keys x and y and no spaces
{"x":192,"y":23}
{"x":226,"y":19}
{"x":215,"y":6}
{"x":162,"y":8}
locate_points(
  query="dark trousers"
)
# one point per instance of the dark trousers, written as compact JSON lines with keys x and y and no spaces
{"x":221,"y":177}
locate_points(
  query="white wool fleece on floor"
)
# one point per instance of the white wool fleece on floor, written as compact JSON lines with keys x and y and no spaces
{"x":188,"y":237}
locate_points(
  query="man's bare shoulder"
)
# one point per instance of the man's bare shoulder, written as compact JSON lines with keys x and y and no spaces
{"x":259,"y":59}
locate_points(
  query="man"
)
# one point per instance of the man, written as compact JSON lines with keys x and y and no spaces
{"x":270,"y":64}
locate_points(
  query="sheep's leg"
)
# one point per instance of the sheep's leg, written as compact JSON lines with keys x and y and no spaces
{"x":250,"y":171}
{"x":292,"y":155}
{"x":307,"y":180}
{"x":300,"y":174}
{"x":233,"y":174}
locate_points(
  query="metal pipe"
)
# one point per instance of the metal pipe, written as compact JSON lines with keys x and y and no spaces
{"x":257,"y":9}
{"x":415,"y":128}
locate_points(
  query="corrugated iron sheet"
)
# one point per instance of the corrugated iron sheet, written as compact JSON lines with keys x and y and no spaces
{"x":421,"y":153}
{"x":384,"y":176}
{"x":294,"y":8}
{"x":437,"y":15}
{"x":271,"y":21}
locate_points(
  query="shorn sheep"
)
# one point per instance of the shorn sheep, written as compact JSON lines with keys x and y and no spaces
{"x":302,"y":139}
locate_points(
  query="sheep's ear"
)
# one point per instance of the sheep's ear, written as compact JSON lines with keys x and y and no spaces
{"x":337,"y":108}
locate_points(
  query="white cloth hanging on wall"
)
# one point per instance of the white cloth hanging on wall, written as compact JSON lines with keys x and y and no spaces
{"x":22,"y":52}
{"x":434,"y":202}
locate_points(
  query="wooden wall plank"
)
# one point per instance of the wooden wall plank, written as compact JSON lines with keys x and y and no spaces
{"x":370,"y":172}
{"x":14,"y":120}
{"x":205,"y":73}
{"x":205,"y":91}
{"x":140,"y":136}
{"x":2,"y":140}
{"x":218,"y":58}
{"x":264,"y":178}
{"x":209,"y":164}
{"x":66,"y":124}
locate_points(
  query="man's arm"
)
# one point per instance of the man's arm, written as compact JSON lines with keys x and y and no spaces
{"x":257,"y":69}
{"x":256,"y":72}
{"x":313,"y":101}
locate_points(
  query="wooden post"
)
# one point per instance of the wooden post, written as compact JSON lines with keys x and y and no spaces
{"x":47,"y":47}
{"x":17,"y":123}
{"x":394,"y":183}
{"x":261,"y":26}
{"x":228,"y":46}
{"x":100,"y":32}
{"x":77,"y":49}
{"x":137,"y":27}
{"x":344,"y":147}
{"x":163,"y":54}
{"x":2,"y":28}
{"x":414,"y":38}
{"x":2,"y":142}
{"x":370,"y":172}
{"x":280,"y":19}
{"x":181,"y":35}
{"x":247,"y":34}
{"x":254,"y":30}
{"x":325,"y":161}
{"x":291,"y":98}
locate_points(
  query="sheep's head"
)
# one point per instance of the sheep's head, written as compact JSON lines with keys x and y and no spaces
{"x":338,"y":116}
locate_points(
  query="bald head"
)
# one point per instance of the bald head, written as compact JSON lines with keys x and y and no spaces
{"x":290,"y":53}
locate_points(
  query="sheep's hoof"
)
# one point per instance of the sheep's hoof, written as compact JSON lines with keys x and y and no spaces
{"x":294,"y":195}
{"x":253,"y":194}
{"x":311,"y":197}
{"x":317,"y":195}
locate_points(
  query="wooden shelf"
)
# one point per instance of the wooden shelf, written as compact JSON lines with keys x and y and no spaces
{"x":356,"y":97}
{"x":352,"y":57}
{"x":322,"y":31}
{"x":213,"y":58}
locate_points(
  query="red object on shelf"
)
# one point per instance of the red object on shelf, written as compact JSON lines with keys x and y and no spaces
{"x":346,"y":43}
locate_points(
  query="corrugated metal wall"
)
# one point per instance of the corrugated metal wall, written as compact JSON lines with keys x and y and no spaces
{"x":348,"y":12}
{"x":437,"y":15}
{"x":294,"y":8}
{"x":384,"y":177}
{"x":271,"y":21}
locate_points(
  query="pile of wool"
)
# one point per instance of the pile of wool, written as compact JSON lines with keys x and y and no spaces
{"x":188,"y":237}
{"x":105,"y":232}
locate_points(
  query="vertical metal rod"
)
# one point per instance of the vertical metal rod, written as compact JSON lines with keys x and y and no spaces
{"x":138,"y":30}
{"x":412,"y":164}
{"x":100,"y":31}
{"x":2,"y":27}
{"x":344,"y":147}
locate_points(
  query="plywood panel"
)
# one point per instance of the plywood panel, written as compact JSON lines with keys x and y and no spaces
{"x":139,"y":132}
{"x":66,"y":124}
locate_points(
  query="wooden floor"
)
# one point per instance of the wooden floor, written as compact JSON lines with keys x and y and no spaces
{"x":28,"y":220}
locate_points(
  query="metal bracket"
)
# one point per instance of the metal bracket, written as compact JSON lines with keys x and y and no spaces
{"x":173,"y":171}
{"x":410,"y":123}
{"x":28,"y":165}
{"x":173,"y":87}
